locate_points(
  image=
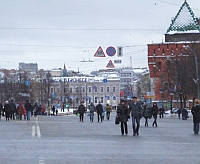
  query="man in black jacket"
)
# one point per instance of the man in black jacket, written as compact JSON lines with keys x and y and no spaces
{"x":136,"y":113}
{"x":99,"y":109}
{"x":81,"y":111}
{"x":13,"y":110}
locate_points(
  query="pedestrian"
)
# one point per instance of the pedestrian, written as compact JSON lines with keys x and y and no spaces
{"x":146,"y":114}
{"x":184,"y":114}
{"x":1,"y":110}
{"x":24,"y":113}
{"x":154,"y":111}
{"x":7,"y":110}
{"x":123,"y":114}
{"x":81,"y":110}
{"x":108,"y":110}
{"x":43,"y":109}
{"x":179,"y":113}
{"x":53,"y":110}
{"x":20,"y":110}
{"x":196,"y":115}
{"x":13,"y":110}
{"x":99,"y":109}
{"x":136,"y":114}
{"x":92,"y":110}
{"x":103,"y":114}
{"x":56,"y":112}
{"x":28,"y":108}
{"x":162,"y":111}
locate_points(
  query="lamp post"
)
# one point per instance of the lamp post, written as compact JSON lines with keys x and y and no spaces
{"x":196,"y":67}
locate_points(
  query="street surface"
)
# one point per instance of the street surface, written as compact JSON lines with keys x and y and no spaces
{"x":63,"y":139}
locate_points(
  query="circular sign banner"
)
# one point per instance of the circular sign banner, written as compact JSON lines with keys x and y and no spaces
{"x":111,"y":51}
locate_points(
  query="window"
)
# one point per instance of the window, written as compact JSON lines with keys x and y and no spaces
{"x":101,"y":99}
{"x":83,"y":89}
{"x":101,"y":89}
{"x":70,"y":90}
{"x":76,"y":89}
{"x":89,"y":89}
{"x":95,"y":100}
{"x":58,"y":90}
{"x":108,"y":89}
{"x":114,"y":89}
{"x":51,"y":90}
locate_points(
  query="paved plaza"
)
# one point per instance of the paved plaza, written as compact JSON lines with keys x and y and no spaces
{"x":63,"y":139}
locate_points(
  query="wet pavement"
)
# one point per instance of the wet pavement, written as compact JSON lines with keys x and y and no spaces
{"x":63,"y":139}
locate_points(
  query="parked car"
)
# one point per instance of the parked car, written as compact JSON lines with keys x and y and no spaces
{"x":174,"y":110}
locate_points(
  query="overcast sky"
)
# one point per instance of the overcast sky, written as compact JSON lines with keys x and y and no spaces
{"x":54,"y":32}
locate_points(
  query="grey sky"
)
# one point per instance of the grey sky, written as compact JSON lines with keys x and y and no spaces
{"x":54,"y":32}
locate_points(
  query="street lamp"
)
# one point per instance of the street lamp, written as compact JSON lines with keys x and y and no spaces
{"x":196,"y":67}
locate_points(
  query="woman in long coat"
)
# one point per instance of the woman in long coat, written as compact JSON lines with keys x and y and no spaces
{"x":154,"y":111}
{"x":146,"y":114}
{"x":20,"y":110}
{"x":196,"y":115}
{"x":7,"y":110}
{"x":123,"y":114}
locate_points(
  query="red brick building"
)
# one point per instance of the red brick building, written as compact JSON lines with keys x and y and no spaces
{"x":183,"y":32}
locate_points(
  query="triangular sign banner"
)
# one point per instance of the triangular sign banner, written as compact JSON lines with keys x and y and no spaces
{"x":99,"y":53}
{"x":110,"y":65}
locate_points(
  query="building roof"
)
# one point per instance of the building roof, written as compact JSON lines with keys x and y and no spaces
{"x":184,"y":21}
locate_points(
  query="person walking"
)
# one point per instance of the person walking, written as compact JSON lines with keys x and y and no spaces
{"x":91,"y":109}
{"x":146,"y":114}
{"x":108,"y":110}
{"x":53,"y":110}
{"x":13,"y":110}
{"x":20,"y":110}
{"x":136,"y":114}
{"x":81,"y":111}
{"x":28,"y":108}
{"x":179,"y":113}
{"x":99,"y":109}
{"x":196,"y":115}
{"x":123,"y":114}
{"x":1,"y":110}
{"x":154,"y":111}
{"x":162,"y":111}
{"x":7,"y":110}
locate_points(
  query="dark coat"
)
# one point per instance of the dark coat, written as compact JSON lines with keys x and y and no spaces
{"x":12,"y":106}
{"x":123,"y":112}
{"x":28,"y":106}
{"x":146,"y":111}
{"x":196,"y":113}
{"x":136,"y":109}
{"x":108,"y":108}
{"x":81,"y":109}
{"x":154,"y":110}
{"x":99,"y":108}
{"x":7,"y":108}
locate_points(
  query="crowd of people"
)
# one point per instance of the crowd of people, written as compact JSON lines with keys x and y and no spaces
{"x":20,"y":111}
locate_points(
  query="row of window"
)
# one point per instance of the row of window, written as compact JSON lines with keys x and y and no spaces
{"x":83,"y":89}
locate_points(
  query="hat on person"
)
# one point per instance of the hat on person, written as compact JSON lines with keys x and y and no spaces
{"x":122,"y":100}
{"x":134,"y":97}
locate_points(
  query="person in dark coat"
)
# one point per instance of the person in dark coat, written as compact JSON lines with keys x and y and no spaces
{"x":53,"y":110}
{"x":28,"y":108}
{"x":99,"y":109}
{"x":7,"y":110}
{"x":108,"y":110}
{"x":162,"y":111}
{"x":184,"y":114}
{"x":13,"y":110}
{"x":81,"y":111}
{"x":196,"y":115}
{"x":154,"y":111}
{"x":136,"y":114}
{"x":123,"y":114}
{"x":179,"y":111}
{"x":1,"y":110}
{"x":146,"y":114}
